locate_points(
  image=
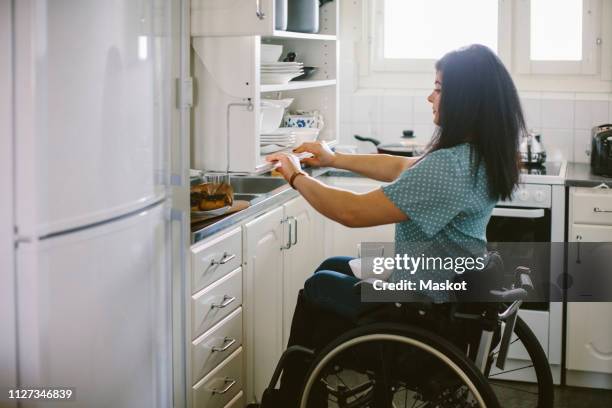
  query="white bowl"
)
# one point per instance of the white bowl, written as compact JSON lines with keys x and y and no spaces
{"x":271,"y":52}
{"x":271,"y":116}
{"x":284,"y":102}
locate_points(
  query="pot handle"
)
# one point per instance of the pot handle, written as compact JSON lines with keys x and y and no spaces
{"x":367,"y":139}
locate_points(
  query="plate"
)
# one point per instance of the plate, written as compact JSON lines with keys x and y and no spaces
{"x":272,"y":148}
{"x":209,"y":213}
{"x":277,"y":79}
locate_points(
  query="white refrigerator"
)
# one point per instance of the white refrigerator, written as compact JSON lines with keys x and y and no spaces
{"x":91,"y":124}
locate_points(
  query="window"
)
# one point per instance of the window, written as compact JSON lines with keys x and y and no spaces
{"x":530,"y":36}
{"x":555,"y":36}
{"x":411,"y":35}
{"x":461,"y":23}
{"x":558,"y":36}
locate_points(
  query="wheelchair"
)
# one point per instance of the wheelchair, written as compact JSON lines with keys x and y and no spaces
{"x":421,"y":354}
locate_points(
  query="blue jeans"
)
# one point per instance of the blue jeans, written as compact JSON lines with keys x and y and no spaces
{"x":332,"y":287}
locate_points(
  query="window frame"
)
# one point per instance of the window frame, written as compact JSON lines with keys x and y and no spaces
{"x":378,"y":63}
{"x":591,"y":49}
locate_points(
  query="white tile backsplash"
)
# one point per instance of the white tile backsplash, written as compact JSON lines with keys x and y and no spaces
{"x":423,"y":114}
{"x":532,"y":111}
{"x":559,"y":144}
{"x":565,"y":124}
{"x":397,"y":109}
{"x":582,"y":145}
{"x":366,"y":109}
{"x":392,"y":132}
{"x":558,"y":114}
{"x":590,"y":113}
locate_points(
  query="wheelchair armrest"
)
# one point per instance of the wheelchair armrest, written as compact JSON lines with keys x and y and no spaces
{"x":508,"y":295}
{"x":522,"y":278}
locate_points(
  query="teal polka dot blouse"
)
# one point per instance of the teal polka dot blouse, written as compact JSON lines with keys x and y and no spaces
{"x":447,"y":201}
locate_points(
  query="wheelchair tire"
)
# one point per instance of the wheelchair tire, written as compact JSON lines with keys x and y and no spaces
{"x":545,"y":388}
{"x":474,"y":390}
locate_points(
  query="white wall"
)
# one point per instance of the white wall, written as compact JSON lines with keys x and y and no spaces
{"x":564,"y":119}
{"x":7,"y":267}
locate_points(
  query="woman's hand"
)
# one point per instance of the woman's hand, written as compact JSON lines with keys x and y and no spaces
{"x":323,"y":155}
{"x":289,"y":164}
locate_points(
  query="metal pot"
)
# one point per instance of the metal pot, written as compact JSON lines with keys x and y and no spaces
{"x":406,"y":147}
{"x":532,"y":149}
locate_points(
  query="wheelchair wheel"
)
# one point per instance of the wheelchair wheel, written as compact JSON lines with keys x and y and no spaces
{"x":394,"y":366}
{"x":533,"y":365}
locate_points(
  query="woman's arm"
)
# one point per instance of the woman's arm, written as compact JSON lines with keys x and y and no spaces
{"x":347,"y":208}
{"x":382,"y":167}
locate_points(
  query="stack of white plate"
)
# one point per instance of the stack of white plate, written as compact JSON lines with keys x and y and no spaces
{"x":277,"y":140}
{"x":274,"y":73}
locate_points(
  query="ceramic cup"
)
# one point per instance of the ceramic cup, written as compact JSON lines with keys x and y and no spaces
{"x":304,"y":119}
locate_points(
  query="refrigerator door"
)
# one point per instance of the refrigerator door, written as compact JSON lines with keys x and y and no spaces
{"x":93,"y":104}
{"x":94,"y":314}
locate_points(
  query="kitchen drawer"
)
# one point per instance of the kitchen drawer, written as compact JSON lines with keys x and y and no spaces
{"x":216,"y":344}
{"x":214,"y":303}
{"x":221,"y":385}
{"x":591,"y":206}
{"x":215,"y":258}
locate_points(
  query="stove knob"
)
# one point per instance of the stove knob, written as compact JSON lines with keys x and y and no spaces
{"x":540,"y":196}
{"x":523,"y":195}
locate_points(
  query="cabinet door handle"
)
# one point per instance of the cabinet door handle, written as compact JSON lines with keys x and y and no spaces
{"x":259,"y":12}
{"x":295,"y":232}
{"x":599,"y":210}
{"x":227,"y":343}
{"x":226,"y":301}
{"x":230,"y":383}
{"x":225,"y":259}
{"x":288,"y":244}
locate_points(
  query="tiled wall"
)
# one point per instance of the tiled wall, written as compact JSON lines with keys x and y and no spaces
{"x":564,"y":120}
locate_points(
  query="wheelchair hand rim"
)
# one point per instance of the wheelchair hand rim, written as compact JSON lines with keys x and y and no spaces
{"x":389,"y":337}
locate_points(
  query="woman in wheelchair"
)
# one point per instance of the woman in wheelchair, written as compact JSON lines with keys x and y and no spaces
{"x":444,"y":198}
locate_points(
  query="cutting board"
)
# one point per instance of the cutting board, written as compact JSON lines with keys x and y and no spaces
{"x":201,"y":222}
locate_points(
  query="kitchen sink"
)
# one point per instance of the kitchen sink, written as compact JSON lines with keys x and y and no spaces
{"x":246,"y":197}
{"x":256,"y":185}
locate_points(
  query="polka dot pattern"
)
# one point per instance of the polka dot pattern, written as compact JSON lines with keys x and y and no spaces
{"x":447,"y":201}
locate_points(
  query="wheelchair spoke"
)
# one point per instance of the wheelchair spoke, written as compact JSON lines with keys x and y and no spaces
{"x":509,"y":371}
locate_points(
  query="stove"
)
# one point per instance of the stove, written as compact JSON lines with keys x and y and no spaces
{"x":548,"y":173}
{"x":535,"y":213}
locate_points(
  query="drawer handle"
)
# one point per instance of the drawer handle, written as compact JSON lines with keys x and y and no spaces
{"x":599,"y":210}
{"x":225,"y":259}
{"x":226,"y":301}
{"x":227,"y":343}
{"x":230,"y":383}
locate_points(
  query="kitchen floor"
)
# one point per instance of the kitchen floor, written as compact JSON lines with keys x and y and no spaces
{"x":565,"y":397}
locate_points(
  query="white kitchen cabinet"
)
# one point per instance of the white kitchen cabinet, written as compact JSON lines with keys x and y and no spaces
{"x":343,"y":240}
{"x":263,"y":286}
{"x":303,"y":257}
{"x":589,"y":328}
{"x":221,"y":18}
{"x":226,"y":65}
{"x":282,"y":249}
{"x":213,"y":308}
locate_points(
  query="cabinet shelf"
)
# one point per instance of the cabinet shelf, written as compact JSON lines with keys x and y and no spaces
{"x":302,"y":36}
{"x":298,"y":85}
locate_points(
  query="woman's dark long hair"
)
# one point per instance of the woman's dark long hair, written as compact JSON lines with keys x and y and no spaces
{"x":479,"y":104}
